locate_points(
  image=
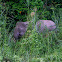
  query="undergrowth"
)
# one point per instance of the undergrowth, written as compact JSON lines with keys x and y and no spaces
{"x":32,"y":47}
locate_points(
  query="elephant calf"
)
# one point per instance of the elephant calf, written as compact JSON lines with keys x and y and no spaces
{"x":21,"y":27}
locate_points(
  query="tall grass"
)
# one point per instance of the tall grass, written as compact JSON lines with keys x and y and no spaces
{"x":32,"y":47}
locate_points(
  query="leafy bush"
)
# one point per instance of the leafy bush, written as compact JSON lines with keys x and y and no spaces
{"x":32,"y":47}
{"x":20,"y":9}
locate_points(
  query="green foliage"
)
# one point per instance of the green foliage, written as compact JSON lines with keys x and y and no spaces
{"x":19,"y":10}
{"x":33,"y":46}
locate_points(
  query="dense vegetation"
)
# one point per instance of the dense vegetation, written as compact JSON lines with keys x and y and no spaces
{"x":32,"y":47}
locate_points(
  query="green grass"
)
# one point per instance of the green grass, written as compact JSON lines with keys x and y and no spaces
{"x":32,"y":47}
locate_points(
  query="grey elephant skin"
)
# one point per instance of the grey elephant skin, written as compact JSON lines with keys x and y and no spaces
{"x":42,"y":25}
